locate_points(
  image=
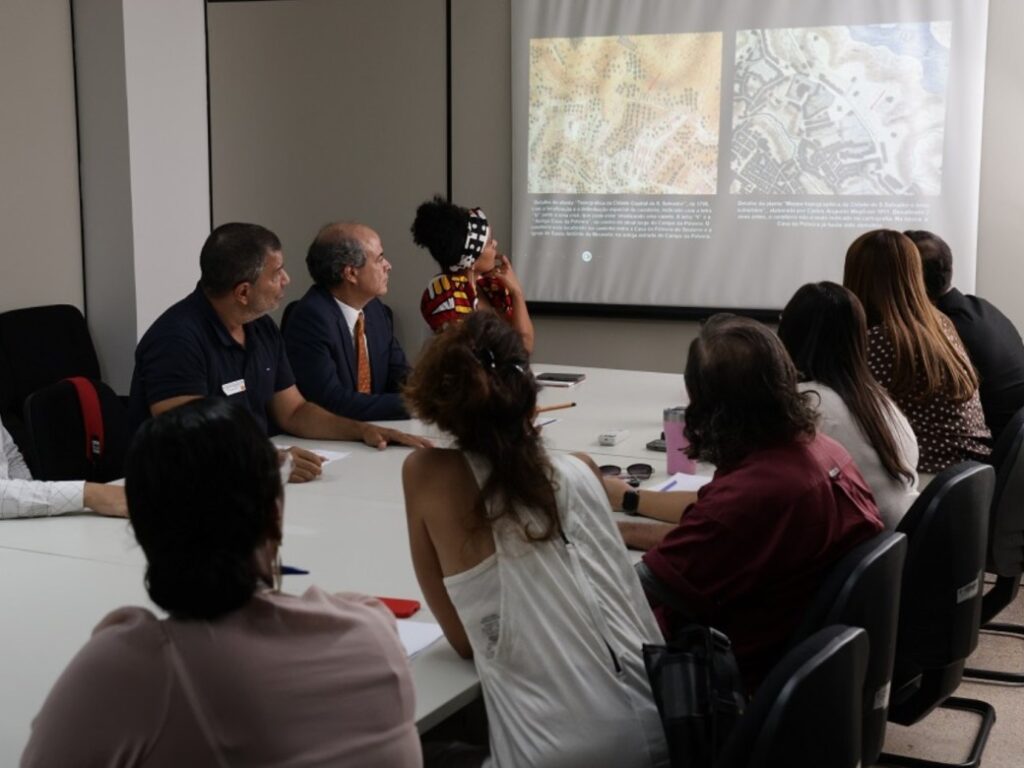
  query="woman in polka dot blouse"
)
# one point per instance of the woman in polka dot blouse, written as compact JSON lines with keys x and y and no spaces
{"x":914,"y":351}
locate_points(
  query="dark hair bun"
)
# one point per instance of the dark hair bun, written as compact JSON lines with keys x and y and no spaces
{"x":200,"y":585}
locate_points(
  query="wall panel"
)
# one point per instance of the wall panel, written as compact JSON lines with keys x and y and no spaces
{"x":326,"y":110}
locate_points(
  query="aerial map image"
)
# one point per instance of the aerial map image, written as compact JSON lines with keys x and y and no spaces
{"x":853,"y":110}
{"x":625,"y":115}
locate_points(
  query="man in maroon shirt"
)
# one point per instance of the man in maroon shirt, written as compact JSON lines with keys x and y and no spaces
{"x":785,"y":503}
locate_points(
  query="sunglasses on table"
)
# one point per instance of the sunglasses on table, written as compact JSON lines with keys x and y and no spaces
{"x":633,"y":474}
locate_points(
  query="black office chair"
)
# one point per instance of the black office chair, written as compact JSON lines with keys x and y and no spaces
{"x":940,"y":604}
{"x":863,"y":590}
{"x":57,"y":431}
{"x":1005,"y":541}
{"x":10,"y":413}
{"x":807,"y":712}
{"x":40,"y":346}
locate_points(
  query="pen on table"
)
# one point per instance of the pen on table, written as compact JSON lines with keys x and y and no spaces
{"x":291,"y":570}
{"x":669,"y":484}
{"x":555,"y":407}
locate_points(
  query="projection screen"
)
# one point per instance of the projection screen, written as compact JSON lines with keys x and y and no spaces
{"x":717,"y":154}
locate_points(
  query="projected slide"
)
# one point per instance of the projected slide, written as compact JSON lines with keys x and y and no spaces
{"x":851,"y":110}
{"x":718,"y":154}
{"x":628,"y":114}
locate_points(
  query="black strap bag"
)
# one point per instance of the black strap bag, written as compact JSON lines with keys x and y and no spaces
{"x":696,"y":684}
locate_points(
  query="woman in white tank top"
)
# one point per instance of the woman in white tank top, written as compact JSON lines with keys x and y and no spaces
{"x":521,"y":563}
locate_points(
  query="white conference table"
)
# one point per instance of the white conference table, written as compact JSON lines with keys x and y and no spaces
{"x":611,"y":399}
{"x":62,"y":575}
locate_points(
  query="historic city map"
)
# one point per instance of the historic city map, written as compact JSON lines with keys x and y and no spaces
{"x":630,"y":114}
{"x":855,"y":110}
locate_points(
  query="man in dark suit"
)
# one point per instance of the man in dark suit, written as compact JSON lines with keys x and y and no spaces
{"x":992,"y":341}
{"x":340,"y":337}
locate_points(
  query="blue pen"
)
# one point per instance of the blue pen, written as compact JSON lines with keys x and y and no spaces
{"x":291,"y":570}
{"x":669,"y":485}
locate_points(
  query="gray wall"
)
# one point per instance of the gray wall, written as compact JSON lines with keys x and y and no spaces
{"x":1001,"y":223}
{"x":354,"y":128}
{"x":39,"y":217}
{"x":324,"y":111}
{"x":141,"y":74}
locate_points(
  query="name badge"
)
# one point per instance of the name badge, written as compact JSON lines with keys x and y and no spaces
{"x":233,"y":387}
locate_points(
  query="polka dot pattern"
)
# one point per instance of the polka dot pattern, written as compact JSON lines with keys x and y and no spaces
{"x":947,"y":432}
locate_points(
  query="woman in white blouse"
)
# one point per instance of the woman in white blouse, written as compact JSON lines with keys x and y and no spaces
{"x":824,"y":329}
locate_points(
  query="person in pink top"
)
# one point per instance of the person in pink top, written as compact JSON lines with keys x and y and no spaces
{"x":240,"y":673}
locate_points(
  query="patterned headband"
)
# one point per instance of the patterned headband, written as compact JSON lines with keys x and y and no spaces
{"x":476,"y":239}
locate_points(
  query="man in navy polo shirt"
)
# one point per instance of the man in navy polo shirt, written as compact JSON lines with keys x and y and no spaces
{"x":220,"y":342}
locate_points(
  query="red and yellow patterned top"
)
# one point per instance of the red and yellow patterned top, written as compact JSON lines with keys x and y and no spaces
{"x":450,"y":298}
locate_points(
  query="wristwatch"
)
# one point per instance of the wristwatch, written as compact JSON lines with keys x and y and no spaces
{"x":630,"y":502}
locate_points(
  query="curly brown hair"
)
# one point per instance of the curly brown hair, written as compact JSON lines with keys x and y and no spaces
{"x":474,"y":382}
{"x":743,"y":392}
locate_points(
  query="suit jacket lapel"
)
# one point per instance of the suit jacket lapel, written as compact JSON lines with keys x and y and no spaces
{"x":348,"y":352}
{"x":378,"y":366}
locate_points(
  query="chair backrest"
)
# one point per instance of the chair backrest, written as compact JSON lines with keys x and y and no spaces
{"x":44,"y":345}
{"x":53,"y":417}
{"x":10,"y":406}
{"x":807,"y":712}
{"x":7,"y":396}
{"x":1006,"y":524}
{"x":940,"y":604}
{"x":863,"y":590}
{"x":40,"y":346}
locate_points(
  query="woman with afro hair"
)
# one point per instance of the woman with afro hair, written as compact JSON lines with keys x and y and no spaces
{"x":473,"y":274}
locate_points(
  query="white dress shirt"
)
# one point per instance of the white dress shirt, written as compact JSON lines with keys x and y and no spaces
{"x":351,"y":314}
{"x":21,"y":496}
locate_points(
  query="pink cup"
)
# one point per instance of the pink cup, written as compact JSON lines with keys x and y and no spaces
{"x":676,"y":443}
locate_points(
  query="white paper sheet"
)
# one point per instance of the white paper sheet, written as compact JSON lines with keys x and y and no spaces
{"x":416,"y":636}
{"x":681,"y":481}
{"x":327,"y":456}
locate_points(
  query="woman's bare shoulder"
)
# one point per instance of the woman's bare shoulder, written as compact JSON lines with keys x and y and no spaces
{"x":432,"y":459}
{"x":433,"y":467}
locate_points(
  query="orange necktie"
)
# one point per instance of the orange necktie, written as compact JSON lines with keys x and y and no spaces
{"x":363,"y":366}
